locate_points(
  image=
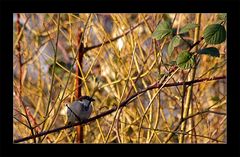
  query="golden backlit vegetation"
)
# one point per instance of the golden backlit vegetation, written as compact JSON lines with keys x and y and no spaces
{"x":164,"y":76}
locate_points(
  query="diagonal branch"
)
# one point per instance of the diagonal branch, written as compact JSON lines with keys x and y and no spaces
{"x":123,"y":104}
{"x":118,"y":37}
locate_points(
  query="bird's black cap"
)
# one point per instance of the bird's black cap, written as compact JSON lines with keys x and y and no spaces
{"x":86,"y":97}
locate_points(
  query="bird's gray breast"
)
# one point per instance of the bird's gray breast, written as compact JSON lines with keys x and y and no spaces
{"x":81,"y":109}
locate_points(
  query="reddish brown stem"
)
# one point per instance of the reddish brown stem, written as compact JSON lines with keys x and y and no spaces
{"x":18,"y":48}
{"x":79,"y":128}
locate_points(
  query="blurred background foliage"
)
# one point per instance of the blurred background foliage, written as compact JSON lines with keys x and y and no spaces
{"x":112,"y":69}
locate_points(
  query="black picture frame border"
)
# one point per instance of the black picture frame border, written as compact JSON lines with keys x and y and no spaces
{"x":231,"y":7}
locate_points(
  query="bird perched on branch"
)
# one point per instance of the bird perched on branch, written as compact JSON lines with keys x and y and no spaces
{"x":79,"y":110}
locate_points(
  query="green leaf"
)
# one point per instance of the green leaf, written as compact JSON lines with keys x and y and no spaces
{"x":130,"y":131}
{"x":172,"y":63}
{"x":212,"y":51}
{"x":162,"y":30}
{"x":185,"y":60}
{"x":215,"y":98}
{"x":166,"y":17}
{"x":188,"y":27}
{"x":176,"y":40}
{"x":222,"y":17}
{"x":214,"y":34}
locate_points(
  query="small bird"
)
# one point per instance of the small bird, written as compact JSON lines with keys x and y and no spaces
{"x":79,"y":110}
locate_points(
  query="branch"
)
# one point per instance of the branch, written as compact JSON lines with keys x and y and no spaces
{"x":196,"y":43}
{"x":116,"y":38}
{"x":191,"y":116}
{"x":123,"y":104}
{"x":67,"y":126}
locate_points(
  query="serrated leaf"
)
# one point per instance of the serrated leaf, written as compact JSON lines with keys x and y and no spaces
{"x":212,"y":51}
{"x":162,"y":30}
{"x":185,"y":60}
{"x":214,"y":34}
{"x":188,"y":27}
{"x":176,"y":40}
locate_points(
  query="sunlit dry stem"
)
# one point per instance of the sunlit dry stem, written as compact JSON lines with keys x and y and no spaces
{"x":123,"y":104}
{"x":118,"y":37}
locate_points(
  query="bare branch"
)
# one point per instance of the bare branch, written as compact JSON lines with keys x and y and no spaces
{"x":123,"y":104}
{"x":116,"y":38}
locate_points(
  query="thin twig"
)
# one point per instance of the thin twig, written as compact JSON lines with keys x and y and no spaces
{"x":53,"y":71}
{"x":18,"y":48}
{"x":74,"y":113}
{"x":116,"y":38}
{"x":123,"y":104}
